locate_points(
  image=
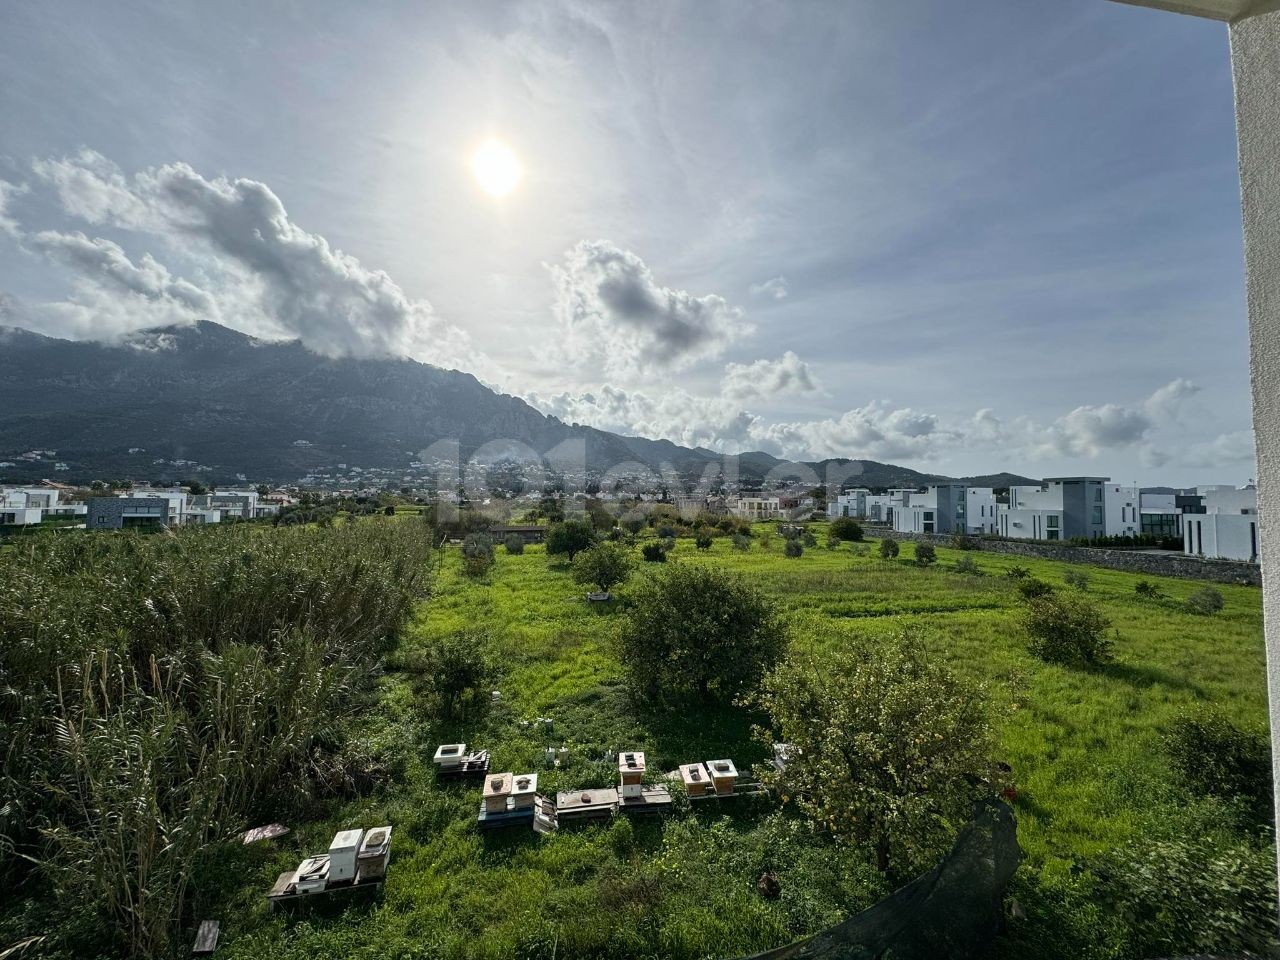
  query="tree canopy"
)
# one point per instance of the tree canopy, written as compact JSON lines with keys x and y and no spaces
{"x":606,"y":565}
{"x":885,"y":745}
{"x":570,"y":538}
{"x":698,"y":631}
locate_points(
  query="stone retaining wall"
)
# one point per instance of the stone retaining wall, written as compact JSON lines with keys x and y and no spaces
{"x":1137,"y":561}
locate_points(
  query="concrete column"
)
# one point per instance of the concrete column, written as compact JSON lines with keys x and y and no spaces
{"x":1255,"y":58}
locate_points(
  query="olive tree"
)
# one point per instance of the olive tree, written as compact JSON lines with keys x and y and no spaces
{"x":887,"y":745}
{"x":846,"y":528}
{"x":570,"y":538}
{"x":695,"y":631}
{"x":605,"y":565}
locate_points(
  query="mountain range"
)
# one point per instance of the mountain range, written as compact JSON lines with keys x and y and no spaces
{"x":210,"y":402}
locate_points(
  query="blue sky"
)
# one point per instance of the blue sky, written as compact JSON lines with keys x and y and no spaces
{"x":962,"y":237}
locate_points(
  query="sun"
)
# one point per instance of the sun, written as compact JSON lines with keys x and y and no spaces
{"x":496,"y":168}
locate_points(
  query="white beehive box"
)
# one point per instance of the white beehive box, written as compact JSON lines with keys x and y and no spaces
{"x":375,"y":853}
{"x":342,"y":854}
{"x":312,"y":875}
{"x":723,"y":774}
{"x":631,"y":769}
{"x":449,"y":755}
{"x":695,"y":778}
{"x":523,"y":790}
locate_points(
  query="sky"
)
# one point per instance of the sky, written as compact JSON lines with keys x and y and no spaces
{"x":961,"y":237}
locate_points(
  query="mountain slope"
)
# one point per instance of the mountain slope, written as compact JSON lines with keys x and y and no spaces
{"x":213,"y":398}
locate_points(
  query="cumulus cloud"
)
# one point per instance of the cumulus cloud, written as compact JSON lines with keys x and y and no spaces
{"x":769,"y":378}
{"x":7,"y":192}
{"x":612,"y":313}
{"x":877,"y":430}
{"x":774,"y":289}
{"x":273,"y":278}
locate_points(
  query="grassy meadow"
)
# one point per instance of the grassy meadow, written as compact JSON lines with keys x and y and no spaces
{"x":1084,"y":746}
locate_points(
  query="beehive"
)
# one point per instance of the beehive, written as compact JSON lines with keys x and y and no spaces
{"x":723,"y":774}
{"x":631,"y":770}
{"x":696,"y":779}
{"x":524,"y":790}
{"x":497,"y":788}
{"x":342,"y":854}
{"x":449,"y":755}
{"x":375,"y":851}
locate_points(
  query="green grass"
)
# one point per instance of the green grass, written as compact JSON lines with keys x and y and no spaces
{"x":1084,"y":747}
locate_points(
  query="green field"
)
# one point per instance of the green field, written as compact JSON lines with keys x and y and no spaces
{"x":1084,"y":746}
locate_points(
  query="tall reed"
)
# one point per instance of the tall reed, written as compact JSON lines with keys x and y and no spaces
{"x":156,"y":691}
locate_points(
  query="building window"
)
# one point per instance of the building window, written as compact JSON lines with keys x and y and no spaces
{"x":1053,"y":521}
{"x":1097,"y":515}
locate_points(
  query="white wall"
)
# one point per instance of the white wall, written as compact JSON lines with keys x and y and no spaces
{"x":1122,"y":510}
{"x":1221,"y":536}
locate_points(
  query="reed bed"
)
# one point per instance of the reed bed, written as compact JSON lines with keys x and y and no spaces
{"x":160,"y":691}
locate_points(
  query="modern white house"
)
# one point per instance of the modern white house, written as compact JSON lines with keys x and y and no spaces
{"x":1225,"y":524}
{"x":850,"y":503}
{"x":1063,"y":508}
{"x":1122,"y":510}
{"x":1160,"y":515}
{"x":946,"y":508}
{"x":757,"y":508}
{"x":15,"y":511}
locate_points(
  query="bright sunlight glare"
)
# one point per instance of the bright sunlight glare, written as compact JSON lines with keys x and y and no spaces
{"x":496,"y":168}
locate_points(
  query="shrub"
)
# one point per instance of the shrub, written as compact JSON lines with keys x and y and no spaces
{"x":1196,"y":894}
{"x":925,"y":554}
{"x":605,"y":565}
{"x":654,"y":552}
{"x":666,"y":531}
{"x":1017,"y":573}
{"x":514,"y":544}
{"x":703,"y":541}
{"x":967,"y":565}
{"x":389,"y":510}
{"x":846,"y":528}
{"x":1031,"y":587}
{"x":962,"y":541}
{"x":569,"y":538}
{"x":794,"y":548}
{"x":808,"y":539}
{"x":741,"y":542}
{"x":1217,"y":758}
{"x":454,"y":674}
{"x":1077,"y":579}
{"x":856,"y":723}
{"x":1206,"y":601}
{"x":1148,"y":591}
{"x":477,"y":554}
{"x":1066,"y":630}
{"x":696,"y":630}
{"x":888,"y":549}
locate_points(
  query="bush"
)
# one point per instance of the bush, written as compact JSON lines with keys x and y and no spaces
{"x":1217,"y":758}
{"x":477,"y":554}
{"x":1148,"y":591}
{"x":856,"y":723}
{"x":969,"y":566}
{"x":794,"y":548}
{"x":1077,"y":579}
{"x":1017,"y":573}
{"x":962,"y":541}
{"x":569,"y":538}
{"x":925,"y":554}
{"x":514,"y":544}
{"x":1198,"y":894}
{"x":888,"y":549}
{"x":666,"y":531}
{"x":846,"y":528}
{"x":654,"y":552}
{"x":741,"y":542}
{"x":605,"y":565}
{"x":1031,"y":587}
{"x":696,"y":630}
{"x":703,"y":541}
{"x":1066,"y":630}
{"x":1206,"y":602}
{"x":454,"y":674}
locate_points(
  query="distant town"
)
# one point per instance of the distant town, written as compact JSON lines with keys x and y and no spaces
{"x":1216,"y":521}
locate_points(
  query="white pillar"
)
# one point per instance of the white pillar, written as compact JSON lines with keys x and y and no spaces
{"x":1255,"y":58}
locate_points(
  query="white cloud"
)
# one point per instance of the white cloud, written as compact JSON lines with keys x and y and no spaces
{"x":769,"y":378}
{"x":272,"y":278}
{"x":7,"y":192}
{"x":774,"y":289}
{"x":613,"y":314}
